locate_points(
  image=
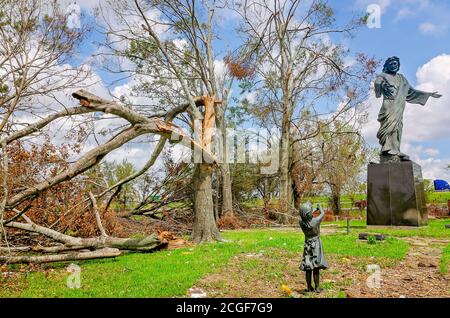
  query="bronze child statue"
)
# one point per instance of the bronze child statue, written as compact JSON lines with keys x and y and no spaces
{"x":313,"y":256}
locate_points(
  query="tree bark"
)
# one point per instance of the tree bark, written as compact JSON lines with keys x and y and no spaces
{"x":336,"y":201}
{"x":227,"y":197}
{"x":205,"y":228}
{"x":285,"y":185}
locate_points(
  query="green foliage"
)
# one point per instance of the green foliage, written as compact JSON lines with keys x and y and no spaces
{"x":364,"y":18}
{"x":245,"y":85}
{"x":325,"y":11}
{"x":236,"y":114}
{"x":371,"y":239}
{"x":428,"y":185}
{"x":4,"y":88}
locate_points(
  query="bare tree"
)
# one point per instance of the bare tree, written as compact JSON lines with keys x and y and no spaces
{"x":35,"y":46}
{"x":343,"y":155}
{"x":170,"y":47}
{"x":297,"y":66}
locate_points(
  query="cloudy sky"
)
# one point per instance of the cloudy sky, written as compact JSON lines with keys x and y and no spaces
{"x":417,"y":31}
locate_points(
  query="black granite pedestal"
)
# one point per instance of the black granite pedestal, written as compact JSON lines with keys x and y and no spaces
{"x":395,"y":195}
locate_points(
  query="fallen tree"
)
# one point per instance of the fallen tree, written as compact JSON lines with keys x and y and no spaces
{"x":74,"y":248}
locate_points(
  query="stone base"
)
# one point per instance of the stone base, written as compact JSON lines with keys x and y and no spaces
{"x":395,"y":195}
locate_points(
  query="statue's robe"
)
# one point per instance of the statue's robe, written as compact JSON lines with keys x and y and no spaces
{"x":396,"y":91}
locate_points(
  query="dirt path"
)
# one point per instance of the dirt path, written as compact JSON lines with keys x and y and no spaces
{"x":416,"y":276}
{"x":262,"y":274}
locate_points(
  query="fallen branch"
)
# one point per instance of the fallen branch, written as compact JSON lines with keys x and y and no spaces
{"x":97,"y":215}
{"x":74,"y":256}
{"x":147,"y":244}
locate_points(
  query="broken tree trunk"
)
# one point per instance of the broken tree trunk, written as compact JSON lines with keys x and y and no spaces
{"x":73,"y":256}
{"x":205,"y":228}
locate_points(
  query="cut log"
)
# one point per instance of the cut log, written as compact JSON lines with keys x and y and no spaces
{"x":74,"y":256}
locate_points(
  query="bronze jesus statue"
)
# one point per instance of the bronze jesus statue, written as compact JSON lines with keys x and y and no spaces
{"x":396,"y":92}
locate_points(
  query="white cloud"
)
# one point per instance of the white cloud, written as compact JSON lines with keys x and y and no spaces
{"x":431,"y":121}
{"x":434,"y":29}
{"x":432,"y":167}
{"x":219,"y":68}
{"x":432,"y":152}
{"x":404,"y":13}
{"x":428,"y":28}
{"x":136,"y":153}
{"x":250,"y":96}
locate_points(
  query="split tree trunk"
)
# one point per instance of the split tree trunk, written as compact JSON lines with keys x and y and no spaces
{"x":205,"y":228}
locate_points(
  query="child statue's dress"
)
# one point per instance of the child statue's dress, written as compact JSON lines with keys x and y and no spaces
{"x":313,"y":256}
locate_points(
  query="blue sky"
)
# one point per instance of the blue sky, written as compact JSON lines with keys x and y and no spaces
{"x":418,"y":31}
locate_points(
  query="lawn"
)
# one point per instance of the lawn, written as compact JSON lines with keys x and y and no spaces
{"x":438,"y":197}
{"x":435,"y":229}
{"x":172,"y":273}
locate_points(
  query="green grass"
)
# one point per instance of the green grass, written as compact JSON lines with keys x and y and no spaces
{"x":172,"y":273}
{"x":435,"y":229}
{"x":438,"y":197}
{"x":445,"y":260}
{"x":334,"y":244}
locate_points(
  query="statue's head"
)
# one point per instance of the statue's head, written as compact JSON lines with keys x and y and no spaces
{"x":392,"y":65}
{"x":306,"y":211}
